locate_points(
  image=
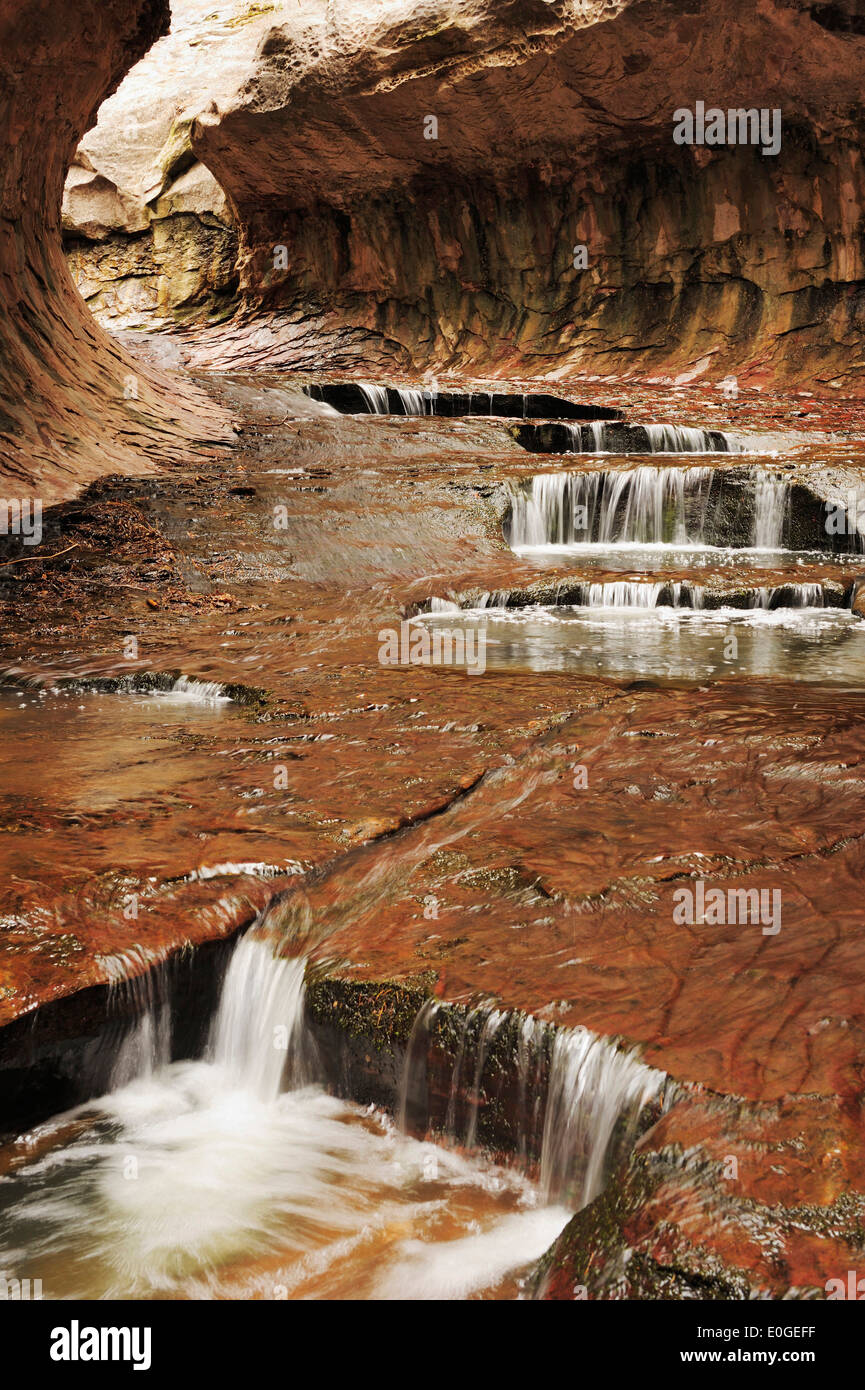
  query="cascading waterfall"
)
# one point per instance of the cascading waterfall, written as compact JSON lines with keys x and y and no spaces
{"x":187,"y":688}
{"x":589,"y":1092}
{"x":627,"y":594}
{"x":771,"y":496}
{"x":375,"y":397}
{"x":681,"y":439}
{"x":258,"y":1031}
{"x":250,"y":1178}
{"x":645,"y":594}
{"x":414,"y":402}
{"x":640,"y":506}
{"x":644,"y":505}
{"x":599,"y":438}
{"x":596,"y":1092}
{"x":147,"y":1045}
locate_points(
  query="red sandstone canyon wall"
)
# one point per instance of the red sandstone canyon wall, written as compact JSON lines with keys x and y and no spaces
{"x":554,"y":129}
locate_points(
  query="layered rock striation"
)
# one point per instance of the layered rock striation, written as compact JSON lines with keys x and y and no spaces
{"x":72,"y":403}
{"x":433,"y":172}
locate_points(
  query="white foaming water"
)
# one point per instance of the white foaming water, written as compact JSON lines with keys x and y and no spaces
{"x":644,"y":506}
{"x":207,"y":1179}
{"x":375,"y":397}
{"x":188,"y":690}
{"x":460,"y":1268}
{"x":601,"y":438}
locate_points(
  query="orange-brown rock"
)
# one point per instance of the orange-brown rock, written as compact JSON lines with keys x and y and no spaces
{"x":454,"y":242}
{"x":72,"y":403}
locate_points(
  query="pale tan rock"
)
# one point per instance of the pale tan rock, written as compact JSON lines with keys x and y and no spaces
{"x":73,"y":404}
{"x":196,"y":193}
{"x":94,"y":207}
{"x":140,"y":147}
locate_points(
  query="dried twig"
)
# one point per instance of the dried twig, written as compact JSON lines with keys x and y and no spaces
{"x":24,"y":558}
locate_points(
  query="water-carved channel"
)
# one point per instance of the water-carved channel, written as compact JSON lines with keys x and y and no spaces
{"x":236,"y":1174}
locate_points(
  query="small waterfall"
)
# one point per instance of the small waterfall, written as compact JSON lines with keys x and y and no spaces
{"x":147,"y":1046}
{"x":600,"y":438}
{"x":259,"y":1025}
{"x":595,"y":1095}
{"x":493,"y":598}
{"x":188,"y":688}
{"x":257,"y":1036}
{"x":375,"y":397}
{"x":770,"y":511}
{"x":413,"y":402}
{"x":443,"y":605}
{"x":596,"y":436}
{"x":245,"y":1185}
{"x":623,"y":594}
{"x":680,"y":439}
{"x":646,"y":505}
{"x":571,"y":1098}
{"x":644,"y":594}
{"x":789,"y":596}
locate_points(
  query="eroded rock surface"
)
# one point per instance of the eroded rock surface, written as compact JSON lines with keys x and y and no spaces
{"x":553,"y":129}
{"x":424,"y":831}
{"x":174,"y":256}
{"x":423,"y":827}
{"x":410,"y":184}
{"x":72,"y":404}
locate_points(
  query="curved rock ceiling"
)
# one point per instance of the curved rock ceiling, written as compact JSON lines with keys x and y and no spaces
{"x":362,"y":239}
{"x":555,"y":126}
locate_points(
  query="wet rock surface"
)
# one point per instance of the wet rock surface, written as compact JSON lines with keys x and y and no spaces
{"x":428,"y":834}
{"x":213,"y":672}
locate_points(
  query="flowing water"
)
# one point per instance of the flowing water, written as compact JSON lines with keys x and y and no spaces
{"x":238,"y":1176}
{"x":237,"y":1173}
{"x":375,"y":397}
{"x":636,"y":593}
{"x":598,"y":438}
{"x":644,"y":639}
{"x":693,"y":511}
{"x":670,"y":519}
{"x":411,"y":402}
{"x":368,"y":398}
